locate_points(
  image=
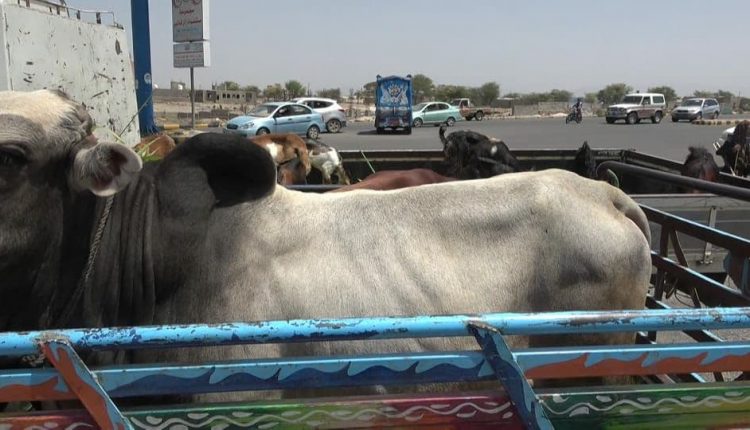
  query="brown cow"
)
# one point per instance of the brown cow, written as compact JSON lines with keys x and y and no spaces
{"x":395,"y":179}
{"x":284,"y":147}
{"x":155,"y":145}
{"x":291,"y":172}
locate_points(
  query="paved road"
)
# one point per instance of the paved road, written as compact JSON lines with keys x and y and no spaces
{"x":667,"y":139}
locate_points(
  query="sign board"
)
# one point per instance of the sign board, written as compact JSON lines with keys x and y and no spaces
{"x":189,"y":20}
{"x":192,"y":54}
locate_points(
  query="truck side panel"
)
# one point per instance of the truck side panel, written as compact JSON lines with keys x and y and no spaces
{"x":90,"y":62}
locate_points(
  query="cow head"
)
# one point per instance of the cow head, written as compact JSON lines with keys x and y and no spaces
{"x":51,"y":167}
{"x":47,"y":154}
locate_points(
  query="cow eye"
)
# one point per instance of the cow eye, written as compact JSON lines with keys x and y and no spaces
{"x":11,"y":158}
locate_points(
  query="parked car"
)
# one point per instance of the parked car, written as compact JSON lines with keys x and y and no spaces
{"x":696,"y":108}
{"x":434,"y":113}
{"x":334,"y":116}
{"x":280,"y":117}
{"x":635,"y":107}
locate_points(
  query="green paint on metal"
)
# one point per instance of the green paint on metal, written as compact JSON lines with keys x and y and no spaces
{"x":634,"y":407}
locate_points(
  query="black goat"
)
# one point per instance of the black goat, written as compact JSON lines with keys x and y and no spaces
{"x":472,"y":155}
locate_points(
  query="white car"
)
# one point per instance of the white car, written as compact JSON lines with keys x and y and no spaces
{"x":696,"y":108}
{"x":725,"y":135}
{"x":334,"y":116}
{"x":637,"y":106}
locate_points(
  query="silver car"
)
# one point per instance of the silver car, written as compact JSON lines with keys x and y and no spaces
{"x":334,"y":116}
{"x":696,"y":108}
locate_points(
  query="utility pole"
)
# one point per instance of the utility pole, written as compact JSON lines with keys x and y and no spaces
{"x":142,"y":66}
{"x":192,"y":98}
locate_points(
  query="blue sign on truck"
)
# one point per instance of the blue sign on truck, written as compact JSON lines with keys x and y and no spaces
{"x":393,"y":103}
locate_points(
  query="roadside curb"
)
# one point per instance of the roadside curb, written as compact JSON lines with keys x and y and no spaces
{"x":718,"y":121}
{"x":174,"y":126}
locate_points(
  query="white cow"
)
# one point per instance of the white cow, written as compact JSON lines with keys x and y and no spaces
{"x":206,"y":236}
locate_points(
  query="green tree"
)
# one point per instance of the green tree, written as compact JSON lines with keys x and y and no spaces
{"x":252,"y":89}
{"x":423,"y":87}
{"x":450,"y":92}
{"x":367,"y":93}
{"x":559,"y":96}
{"x":703,"y":93}
{"x":724,"y":95}
{"x":228,"y":85}
{"x":486,"y":94}
{"x":669,"y":93}
{"x":590,"y":98}
{"x":531,"y":98}
{"x":613,"y":93}
{"x":330,"y":93}
{"x":274,"y":92}
{"x":294,"y":89}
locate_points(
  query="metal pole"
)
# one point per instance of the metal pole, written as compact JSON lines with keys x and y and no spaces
{"x":142,"y":66}
{"x":670,"y":178}
{"x":192,"y":98}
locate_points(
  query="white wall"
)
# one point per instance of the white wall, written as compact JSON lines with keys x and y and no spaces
{"x":91,"y":62}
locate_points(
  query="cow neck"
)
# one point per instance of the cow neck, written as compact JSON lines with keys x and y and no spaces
{"x":94,"y":246}
{"x":117,"y":282}
{"x":122,"y":288}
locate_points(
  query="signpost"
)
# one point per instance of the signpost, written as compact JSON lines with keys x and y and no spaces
{"x":190,"y":32}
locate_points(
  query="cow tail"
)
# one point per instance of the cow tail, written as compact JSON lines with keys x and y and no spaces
{"x":632,"y":211}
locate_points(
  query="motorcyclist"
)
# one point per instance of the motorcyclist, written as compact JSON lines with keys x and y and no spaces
{"x":578,"y":107}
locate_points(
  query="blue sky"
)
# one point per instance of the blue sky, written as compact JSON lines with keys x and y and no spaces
{"x":529,"y":45}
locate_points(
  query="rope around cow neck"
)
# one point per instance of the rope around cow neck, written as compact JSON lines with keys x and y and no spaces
{"x":88,"y":268}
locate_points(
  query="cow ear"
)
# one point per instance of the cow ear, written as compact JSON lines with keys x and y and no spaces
{"x":105,"y":168}
{"x":216,"y":170}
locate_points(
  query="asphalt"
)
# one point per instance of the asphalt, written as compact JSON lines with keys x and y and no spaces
{"x":667,"y":139}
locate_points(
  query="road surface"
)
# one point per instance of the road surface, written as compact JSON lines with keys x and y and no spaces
{"x":669,"y":140}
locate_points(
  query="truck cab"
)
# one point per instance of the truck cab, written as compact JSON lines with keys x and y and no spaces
{"x":468,"y":110}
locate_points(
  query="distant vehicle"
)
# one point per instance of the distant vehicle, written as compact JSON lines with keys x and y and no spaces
{"x":574,"y":115}
{"x":726,"y":135}
{"x":393,"y":103}
{"x":279,"y":117}
{"x":468,"y":110}
{"x":435,"y":113}
{"x":696,"y":108}
{"x":635,"y":107}
{"x":334,"y":116}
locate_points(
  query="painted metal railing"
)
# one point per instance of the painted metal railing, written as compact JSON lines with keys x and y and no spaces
{"x":70,"y":378}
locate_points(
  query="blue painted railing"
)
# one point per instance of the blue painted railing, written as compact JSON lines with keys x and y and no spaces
{"x":391,"y":369}
{"x":16,"y":344}
{"x":494,"y":360}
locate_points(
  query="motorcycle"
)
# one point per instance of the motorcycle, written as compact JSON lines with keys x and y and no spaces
{"x":574,"y":115}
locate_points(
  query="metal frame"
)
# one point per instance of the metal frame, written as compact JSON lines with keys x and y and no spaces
{"x":71,"y":378}
{"x":84,"y":384}
{"x":507,"y":370}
